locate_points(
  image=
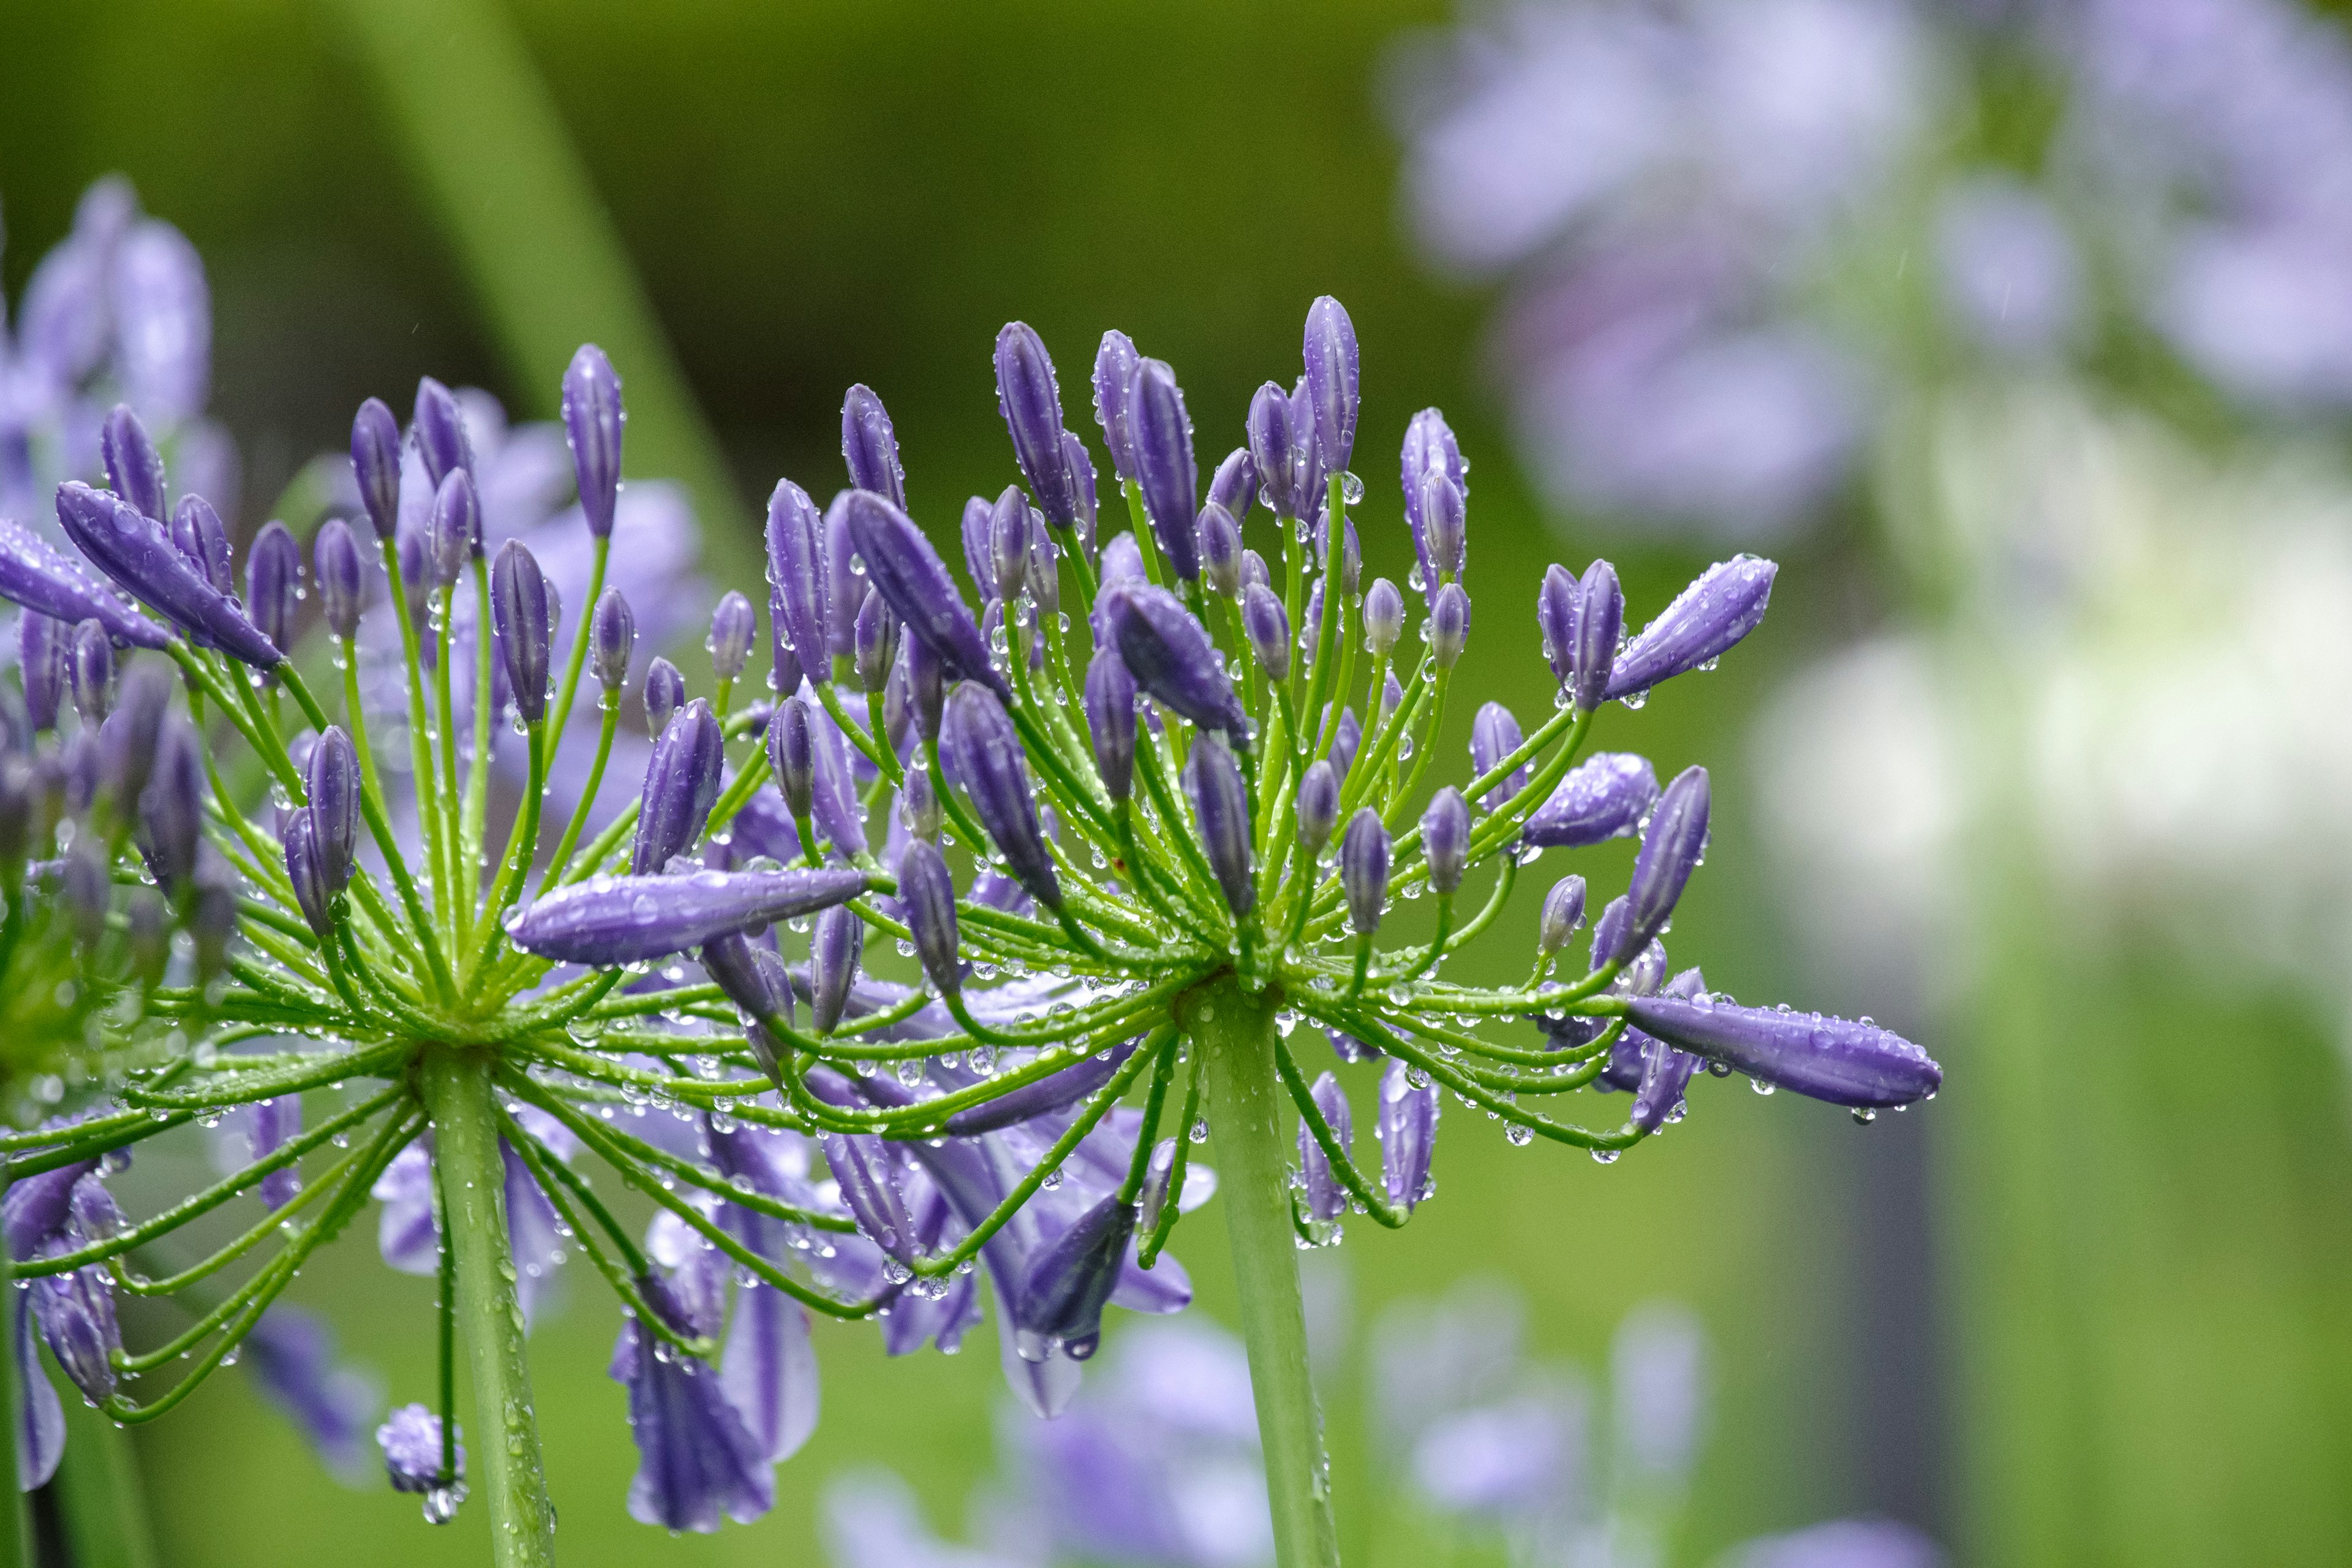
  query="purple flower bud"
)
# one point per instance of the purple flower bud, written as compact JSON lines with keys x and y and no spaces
{"x":1345,"y":740}
{"x":76,"y":1313}
{"x":375,"y":464}
{"x":1672,"y":849}
{"x":928,"y":892}
{"x":439,"y":427}
{"x":1082,"y":487}
{"x":913,"y":580}
{"x":753,"y":978}
{"x":1429,"y":447}
{"x":733,"y":628}
{"x":834,"y":952}
{"x":1722,"y":606}
{"x":1325,"y":1198}
{"x":1234,"y":484}
{"x":1008,"y":544}
{"x":198,"y":534}
{"x":875,"y":649}
{"x":1030,"y":402}
{"x":665,"y":694}
{"x":866,"y":1171}
{"x":796,"y":574}
{"x":1164,"y":465}
{"x":1557,"y":604}
{"x":411,"y":1441}
{"x":171,"y":807}
{"x":134,"y":469}
{"x":632,"y":920}
{"x":918,"y":806}
{"x":1603,"y":797}
{"x":926,"y":687}
{"x":1666,"y":1074}
{"x":272,"y":1124}
{"x":456,"y":519}
{"x":1272,"y":448}
{"x":127,"y":743}
{"x":1171,"y":656}
{"x":792,"y":755}
{"x":1449,"y":625}
{"x":1383,"y":617}
{"x":1408,"y":1133}
{"x":1110,"y":720}
{"x":1332,"y":381}
{"x":983,"y":754}
{"x":91,"y":664}
{"x":1045,"y":573}
{"x":1563,"y":915}
{"x":1445,"y":840}
{"x":592,"y":422}
{"x":870,"y":447}
{"x":273,"y":583}
{"x":1318,"y":807}
{"x":1364,"y":871}
{"x":1071,"y":1278}
{"x":41,"y":656}
{"x":1221,"y":804}
{"x":304,"y":871}
{"x":978,"y":546}
{"x":1845,"y":1063}
{"x":1122,"y":560}
{"x":1599,"y":619}
{"x":1306,"y":471}
{"x":1494,"y":736}
{"x":342,"y":576}
{"x":414,"y":550}
{"x":133,"y":550}
{"x":1115,"y":364}
{"x":1220,"y":549}
{"x":612,"y":638}
{"x":332,"y":783}
{"x":1443,"y":525}
{"x":1268,"y":631}
{"x":1351,"y":560}
{"x":681,"y":781}
{"x":524,"y":624}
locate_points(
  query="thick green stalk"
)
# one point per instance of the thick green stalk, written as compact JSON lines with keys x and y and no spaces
{"x":14,"y":1550}
{"x":473,"y":1193}
{"x":1236,"y":1029}
{"x":100,"y":1503}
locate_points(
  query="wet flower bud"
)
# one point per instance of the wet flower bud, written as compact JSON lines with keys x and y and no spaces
{"x":1071,"y":1278}
{"x":136,"y":553}
{"x":1008,"y":544}
{"x":870,"y":447}
{"x":1445,"y":840}
{"x":1030,"y":399}
{"x":92,"y":668}
{"x":1308,"y":470}
{"x":1221,"y":806}
{"x":1234,"y":484}
{"x":1332,"y":381}
{"x":913,"y":580}
{"x":926,"y":687}
{"x":41,"y":642}
{"x":928,"y":893}
{"x":1345,"y":740}
{"x":834,"y":952}
{"x":411,"y":1444}
{"x":1494,"y":736}
{"x":414,"y":552}
{"x":681,"y":782}
{"x":1449,"y":625}
{"x":866,"y":1169}
{"x":1318,"y":807}
{"x":456,"y":519}
{"x":1253,"y":571}
{"x":127,"y":743}
{"x":1605,"y":796}
{"x":1845,"y":1063}
{"x":1268,"y":632}
{"x":1429,"y":447}
{"x":792,"y":754}
{"x":1272,"y":448}
{"x":1171,"y":656}
{"x":796,"y":577}
{"x":342,"y":577}
{"x":983,"y":754}
{"x":665,"y":694}
{"x":1557,"y":604}
{"x":1082,"y":487}
{"x":1443,"y":525}
{"x":1671,"y":849}
{"x":1391,"y":696}
{"x":1408,"y":1132}
{"x":439,"y":427}
{"x":76,"y":1313}
{"x":1325,"y":1198}
{"x":171,"y":807}
{"x":1364,"y":871}
{"x":875,"y":647}
{"x":1666,"y":1074}
{"x":375,"y":465}
{"x":1723,"y":605}
{"x":1220,"y":550}
{"x":1600,"y":616}
{"x":1115,"y":364}
{"x":1110,"y":720}
{"x":198,"y":534}
{"x":898,"y":703}
{"x":523,"y":618}
{"x":1164,"y":465}
{"x":1383,"y":617}
{"x":979,"y":549}
{"x":593,"y":423}
{"x":632,"y":920}
{"x":134,"y":469}
{"x":918,"y":806}
{"x":273,"y":581}
{"x":1563,"y":915}
{"x":311,"y":893}
{"x":1044,"y":577}
{"x":733,"y":626}
{"x":332,"y":783}
{"x":612,"y":638}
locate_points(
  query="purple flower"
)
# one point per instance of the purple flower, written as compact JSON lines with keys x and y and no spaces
{"x":134,"y":469}
{"x":1221,"y":806}
{"x":439,"y":429}
{"x":1332,"y":381}
{"x":1317,"y":813}
{"x":1030,"y":402}
{"x":870,"y":447}
{"x":1110,"y":720}
{"x":681,"y":782}
{"x":1407,"y":1130}
{"x":1563,"y":915}
{"x":410,"y":1439}
{"x":1325,"y":1199}
{"x":34,"y":574}
{"x":1364,"y":871}
{"x":1723,"y":604}
{"x":1845,"y":1063}
{"x":1164,"y":465}
{"x":1672,"y":845}
{"x":1273,"y":450}
{"x":1071,"y":1278}
{"x":1603,"y":797}
{"x":631,"y":919}
{"x":523,"y":620}
{"x":1171,"y":655}
{"x":912,"y":579}
{"x":981,"y":752}
{"x":594,"y":423}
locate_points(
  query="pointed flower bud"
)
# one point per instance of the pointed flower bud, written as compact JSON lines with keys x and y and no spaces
{"x":796,"y":577}
{"x":1383,"y":617}
{"x":983,"y":753}
{"x":866,"y":1169}
{"x":41,"y":657}
{"x":134,"y":469}
{"x":1429,"y":447}
{"x":198,"y":534}
{"x":792,"y":755}
{"x":439,"y":427}
{"x":733,"y":628}
{"x":1082,"y":487}
{"x":1008,"y":544}
{"x":1071,"y":1278}
{"x":1558,"y":602}
{"x":926,"y":692}
{"x":875,"y":649}
{"x":524,"y":621}
{"x":1603,"y":797}
{"x":1332,"y":381}
{"x":1600,"y":619}
{"x":92,"y":669}
{"x":1494,"y":736}
{"x":914,"y":582}
{"x":1671,"y":850}
{"x":1164,"y":465}
{"x":665,"y":695}
{"x":133,"y":550}
{"x":1408,"y":1133}
{"x":1220,"y":549}
{"x":342,"y":577}
{"x":592,"y":422}
{"x":1115,"y":364}
{"x":1666,"y":1074}
{"x":919,"y":806}
{"x":612,"y":638}
{"x":456,"y":520}
{"x":870,"y":447}
{"x":833,"y":951}
{"x":273,"y":581}
{"x":76,"y":1313}
{"x":1445,"y":840}
{"x":375,"y":464}
{"x":681,"y":782}
{"x":1449,"y":625}
{"x":1563,"y":915}
{"x":1345,"y":740}
{"x":1221,"y":806}
{"x":1308,"y":471}
{"x":1325,"y":1198}
{"x":332,"y":783}
{"x":1443,"y":525}
{"x":1364,"y":871}
{"x":1845,"y":1063}
{"x":928,"y":891}
{"x":1268,"y":631}
{"x":1234,"y":484}
{"x":311,"y":893}
{"x":1110,"y":720}
{"x":979,"y":547}
{"x":632,"y":920}
{"x":1171,"y":656}
{"x":1318,"y":807}
{"x":1044,"y":575}
{"x":1030,"y":399}
{"x":171,"y":807}
{"x":753,"y":978}
{"x":1722,"y":606}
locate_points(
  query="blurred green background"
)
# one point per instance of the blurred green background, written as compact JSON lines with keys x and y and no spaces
{"x":2088,"y":1306}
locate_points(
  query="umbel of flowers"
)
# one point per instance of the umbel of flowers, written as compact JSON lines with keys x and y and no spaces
{"x":1136,"y":804}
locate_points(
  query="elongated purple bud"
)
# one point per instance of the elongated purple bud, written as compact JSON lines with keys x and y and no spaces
{"x":1845,"y":1063}
{"x":796,"y":573}
{"x":913,"y":580}
{"x":1082,"y":487}
{"x":1445,"y":840}
{"x":1030,"y":402}
{"x":127,"y":743}
{"x":198,"y":534}
{"x":273,"y":583}
{"x":1221,"y":806}
{"x":375,"y":465}
{"x":1220,"y":550}
{"x":1558,"y":602}
{"x":1325,"y":1198}
{"x":134,"y":469}
{"x":1043,"y":579}
{"x":983,"y":753}
{"x":1408,"y":1133}
{"x":1666,"y":1074}
{"x":1605,"y":796}
{"x":928,"y":891}
{"x":311,"y":893}
{"x":1317,"y":807}
{"x":681,"y":782}
{"x":133,"y":550}
{"x":845,"y":585}
{"x":875,"y":647}
{"x":171,"y":807}
{"x":979,"y":543}
{"x":1333,"y":379}
{"x":927,"y":688}
{"x":414,"y":550}
{"x":342,"y":577}
{"x":1071,"y":1278}
{"x":1171,"y":656}
{"x":456,"y":519}
{"x":1110,"y":720}
{"x":1164,"y":465}
{"x":612,"y":638}
{"x":593,"y":423}
{"x":1671,"y":849}
{"x":1364,"y":871}
{"x":76,"y":1313}
{"x":733,"y":628}
{"x":834,"y":949}
{"x":41,"y":656}
{"x":1268,"y":630}
{"x":1563,"y":915}
{"x":754,"y":980}
{"x":665,"y":695}
{"x":918,"y":806}
{"x":521,"y":616}
{"x":1494,"y":736}
{"x":792,"y":754}
{"x":632,"y":920}
{"x":1307,"y":472}
{"x":1234,"y":484}
{"x":1449,"y":625}
{"x":1445,"y":524}
{"x":1008,"y":544}
{"x":1383,"y":617}
{"x":1115,"y":364}
{"x":92,"y":665}
{"x":1429,"y":447}
{"x":870,"y":447}
{"x":439,"y":427}
{"x":1273,"y":448}
{"x":862,"y":1166}
{"x":1722,"y":606}
{"x":1600,"y":619}
{"x":332,"y":783}
{"x":1346,"y":737}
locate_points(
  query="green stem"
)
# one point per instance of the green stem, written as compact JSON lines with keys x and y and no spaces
{"x":14,"y":1550}
{"x":1236,"y":1029}
{"x":102,"y":1508}
{"x":473,"y":1191}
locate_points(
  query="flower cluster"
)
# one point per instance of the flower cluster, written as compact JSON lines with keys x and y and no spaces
{"x":1128,"y":843}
